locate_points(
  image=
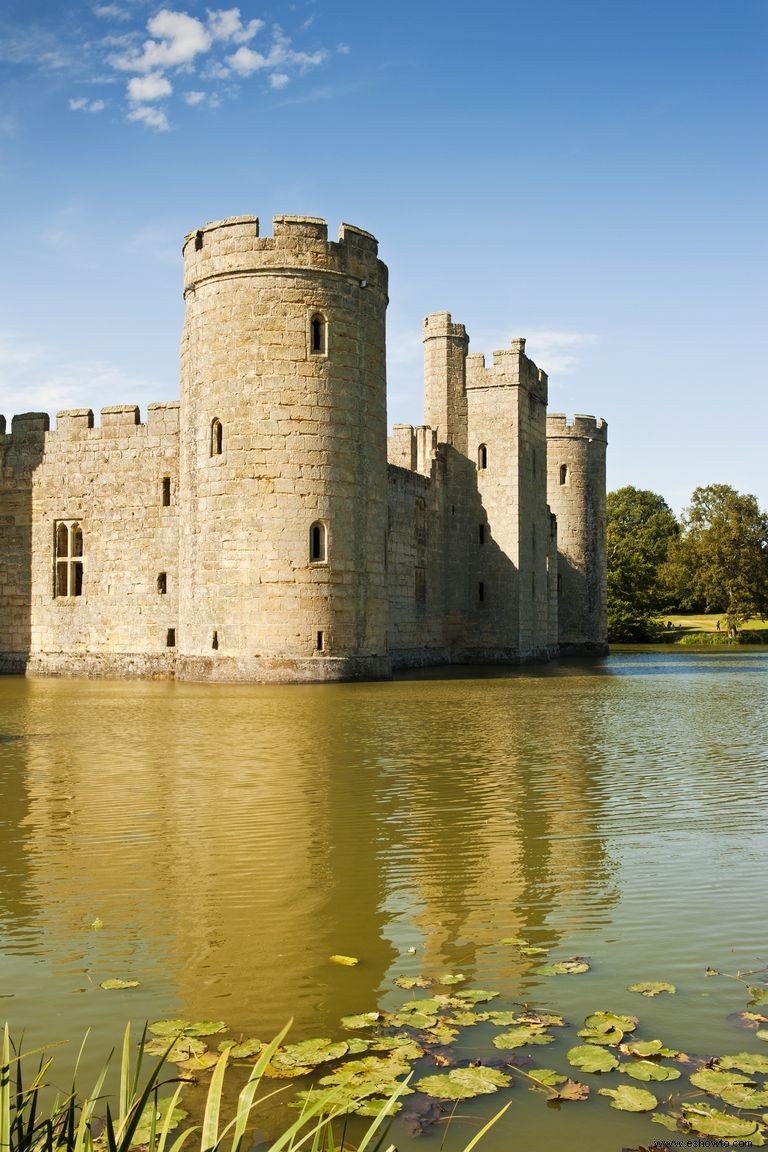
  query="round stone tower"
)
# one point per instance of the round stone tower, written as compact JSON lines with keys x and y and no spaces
{"x":576,"y":495}
{"x":283,"y":454}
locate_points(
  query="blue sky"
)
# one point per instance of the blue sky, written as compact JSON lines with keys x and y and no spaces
{"x":589,"y":175}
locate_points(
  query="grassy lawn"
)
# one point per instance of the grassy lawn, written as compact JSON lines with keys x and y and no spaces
{"x":708,"y":623}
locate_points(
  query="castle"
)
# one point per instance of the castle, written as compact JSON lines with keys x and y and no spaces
{"x":264,"y":528}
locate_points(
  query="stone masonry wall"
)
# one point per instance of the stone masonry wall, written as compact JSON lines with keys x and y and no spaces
{"x":303,"y":443}
{"x":109,"y":480}
{"x":21,"y":450}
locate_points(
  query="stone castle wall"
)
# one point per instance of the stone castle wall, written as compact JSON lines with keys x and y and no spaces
{"x":263,"y":528}
{"x":110,"y":481}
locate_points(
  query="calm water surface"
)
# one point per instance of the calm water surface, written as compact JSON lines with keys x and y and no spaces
{"x":232,"y":838}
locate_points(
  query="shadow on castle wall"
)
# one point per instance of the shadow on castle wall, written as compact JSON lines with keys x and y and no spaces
{"x":21,"y":452}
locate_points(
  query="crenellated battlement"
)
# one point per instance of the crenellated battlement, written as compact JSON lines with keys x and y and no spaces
{"x":234,"y":247}
{"x":509,"y":366}
{"x":79,"y":423}
{"x":440,"y":324}
{"x":579,"y":427}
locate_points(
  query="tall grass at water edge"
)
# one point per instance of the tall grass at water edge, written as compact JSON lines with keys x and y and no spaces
{"x":71,"y":1123}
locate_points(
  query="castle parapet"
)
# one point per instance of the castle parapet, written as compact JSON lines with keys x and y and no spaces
{"x":510,"y":366}
{"x":119,"y":417}
{"x":163,"y":418}
{"x":233,"y":247}
{"x":74,"y":422}
{"x":30,"y":425}
{"x":580,"y":427}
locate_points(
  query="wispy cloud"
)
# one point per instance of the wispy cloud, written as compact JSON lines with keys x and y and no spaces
{"x":35,"y":378}
{"x":151,"y":116}
{"x":555,"y":350}
{"x":83,"y":104}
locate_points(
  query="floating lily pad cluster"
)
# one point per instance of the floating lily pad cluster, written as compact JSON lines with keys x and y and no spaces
{"x":718,"y":1096}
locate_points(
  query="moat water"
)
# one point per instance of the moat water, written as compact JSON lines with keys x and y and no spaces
{"x":231,"y":839}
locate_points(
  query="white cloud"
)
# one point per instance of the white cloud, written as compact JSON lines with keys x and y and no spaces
{"x":83,"y":104}
{"x":278,"y":79}
{"x":178,"y":39}
{"x":556,"y":351}
{"x":343,"y":49}
{"x":194,"y":98}
{"x":245,"y":61}
{"x":110,"y":12}
{"x":36,"y":379}
{"x":152,"y":117}
{"x":143,"y":89}
{"x":226,"y":24}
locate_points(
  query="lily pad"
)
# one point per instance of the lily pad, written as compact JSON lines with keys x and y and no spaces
{"x":308,"y":1053}
{"x":590,"y":1058}
{"x":451,"y":978}
{"x":412,"y":981}
{"x":762,"y":1033}
{"x":243,"y":1050}
{"x":646,"y":1070}
{"x":464,"y":1083}
{"x":547,"y":1076}
{"x":356,"y":1045}
{"x":666,"y":1121}
{"x":651,"y":987}
{"x":572,"y":1090}
{"x":745,"y":1061}
{"x":612,"y":1037}
{"x":545,"y":1019}
{"x":347,"y":961}
{"x":531,"y":950}
{"x":759,"y":994}
{"x":642,"y":1048}
{"x":475,"y":995}
{"x":413,"y":1020}
{"x":183,"y":1049}
{"x":564,"y":967}
{"x":713,"y":1080}
{"x":465,"y":1018}
{"x":741,"y":1096}
{"x":273,"y":1072}
{"x":199,"y":1063}
{"x":404,"y":1046}
{"x":371,"y":1075}
{"x":629,"y":1099}
{"x":362,"y":1020}
{"x":168,"y":1027}
{"x":109,"y":984}
{"x":441,"y":1033}
{"x":605,"y":1021}
{"x":711,"y":1122}
{"x":426,"y":1006}
{"x":160,"y":1108}
{"x":522,"y":1037}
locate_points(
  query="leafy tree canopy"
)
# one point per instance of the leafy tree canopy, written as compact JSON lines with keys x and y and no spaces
{"x":720,"y":561}
{"x":640,"y":526}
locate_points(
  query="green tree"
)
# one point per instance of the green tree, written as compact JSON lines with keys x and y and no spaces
{"x":640,"y":526}
{"x":720,"y":561}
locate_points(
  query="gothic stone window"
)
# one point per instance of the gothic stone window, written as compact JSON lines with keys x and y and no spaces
{"x":68,"y":578}
{"x":482,"y":457}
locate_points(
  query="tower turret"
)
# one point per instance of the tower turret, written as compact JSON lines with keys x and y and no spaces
{"x":283,"y":491}
{"x":576,"y":494}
